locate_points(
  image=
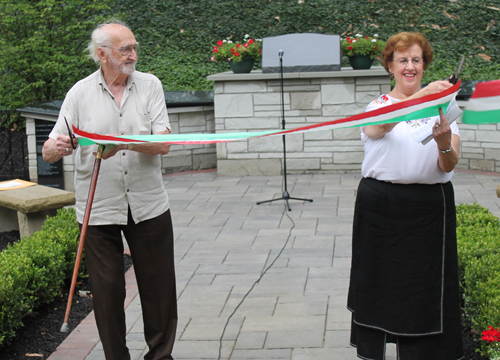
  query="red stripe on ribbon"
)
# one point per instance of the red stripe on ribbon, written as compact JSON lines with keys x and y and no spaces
{"x":380,"y":111}
{"x":486,"y":89}
{"x":94,"y":136}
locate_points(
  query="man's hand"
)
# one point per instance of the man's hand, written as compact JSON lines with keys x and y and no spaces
{"x":53,"y":150}
{"x":111,"y":150}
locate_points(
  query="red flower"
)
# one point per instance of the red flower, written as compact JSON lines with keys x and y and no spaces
{"x":250,"y":41}
{"x":348,"y":39}
{"x":236,"y":54}
{"x":375,"y":47}
{"x":219,"y":42}
{"x":238,"y":45}
{"x":366,"y":37}
{"x":260,"y":51}
{"x":245,"y":45}
{"x":232,"y":50}
{"x":349,"y":47}
{"x":491,"y":335}
{"x":215,"y":50}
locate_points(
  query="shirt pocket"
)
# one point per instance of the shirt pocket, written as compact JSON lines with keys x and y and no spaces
{"x":144,"y":124}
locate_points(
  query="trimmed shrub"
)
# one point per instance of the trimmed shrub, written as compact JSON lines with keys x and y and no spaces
{"x":33,"y":270}
{"x":478,"y":234}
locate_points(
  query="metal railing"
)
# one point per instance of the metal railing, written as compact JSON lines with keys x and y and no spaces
{"x":14,"y":162}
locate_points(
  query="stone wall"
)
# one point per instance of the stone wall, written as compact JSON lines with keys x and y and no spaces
{"x":480,"y":146}
{"x":190,"y":157}
{"x":251,"y":102}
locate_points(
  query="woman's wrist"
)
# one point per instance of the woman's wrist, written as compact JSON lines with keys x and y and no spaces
{"x":446,"y":151}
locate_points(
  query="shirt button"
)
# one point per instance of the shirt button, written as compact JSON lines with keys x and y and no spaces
{"x":126,"y":172}
{"x":123,"y":154}
{"x":128,"y":190}
{"x":120,"y":115}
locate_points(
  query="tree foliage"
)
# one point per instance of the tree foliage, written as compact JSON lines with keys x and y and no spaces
{"x":41,"y":47}
{"x":41,"y":41}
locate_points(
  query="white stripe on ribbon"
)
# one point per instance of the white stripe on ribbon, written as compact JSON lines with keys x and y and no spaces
{"x":483,"y":103}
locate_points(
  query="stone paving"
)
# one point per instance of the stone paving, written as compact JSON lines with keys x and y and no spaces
{"x":224,"y":242}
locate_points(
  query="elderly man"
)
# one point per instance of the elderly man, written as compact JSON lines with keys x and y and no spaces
{"x":130,"y":196}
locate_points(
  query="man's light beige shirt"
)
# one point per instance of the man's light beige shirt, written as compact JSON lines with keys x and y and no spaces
{"x":129,"y":178}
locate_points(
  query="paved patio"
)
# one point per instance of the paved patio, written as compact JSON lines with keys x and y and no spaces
{"x":225,"y":242}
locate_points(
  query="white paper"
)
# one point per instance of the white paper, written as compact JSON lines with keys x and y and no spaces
{"x":424,"y":133}
{"x":10,"y":184}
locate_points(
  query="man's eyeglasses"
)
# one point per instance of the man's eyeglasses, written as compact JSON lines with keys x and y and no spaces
{"x":404,"y":62}
{"x":126,"y":50}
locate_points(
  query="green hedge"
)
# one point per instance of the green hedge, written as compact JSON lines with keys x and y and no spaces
{"x":478,"y":234}
{"x":177,"y":36}
{"x":33,"y":270}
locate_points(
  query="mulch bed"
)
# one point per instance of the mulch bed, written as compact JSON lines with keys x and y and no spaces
{"x":41,"y":334}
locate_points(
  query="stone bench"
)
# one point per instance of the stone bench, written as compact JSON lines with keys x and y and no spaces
{"x":26,"y":209}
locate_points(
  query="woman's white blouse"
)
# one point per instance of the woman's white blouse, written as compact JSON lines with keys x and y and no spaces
{"x":396,"y":157}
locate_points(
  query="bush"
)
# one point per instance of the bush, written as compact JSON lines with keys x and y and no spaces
{"x":33,"y":270}
{"x":478,"y":235}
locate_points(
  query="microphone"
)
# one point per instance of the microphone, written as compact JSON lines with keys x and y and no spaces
{"x":281,"y":52}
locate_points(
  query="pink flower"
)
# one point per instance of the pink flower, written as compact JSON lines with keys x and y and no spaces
{"x":212,"y":58}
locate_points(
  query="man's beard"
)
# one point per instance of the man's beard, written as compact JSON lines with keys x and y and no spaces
{"x":127,"y":68}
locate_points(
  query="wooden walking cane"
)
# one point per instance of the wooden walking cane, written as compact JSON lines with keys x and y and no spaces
{"x":83,"y":232}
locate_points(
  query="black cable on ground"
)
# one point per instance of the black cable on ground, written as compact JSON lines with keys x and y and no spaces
{"x":258,"y":280}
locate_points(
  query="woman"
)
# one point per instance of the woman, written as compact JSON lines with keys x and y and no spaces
{"x":404,"y":274}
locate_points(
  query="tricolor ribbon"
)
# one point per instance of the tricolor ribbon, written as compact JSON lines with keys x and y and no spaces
{"x":424,"y":107}
{"x":483,"y":106}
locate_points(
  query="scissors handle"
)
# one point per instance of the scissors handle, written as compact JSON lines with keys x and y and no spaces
{"x":71,"y":135}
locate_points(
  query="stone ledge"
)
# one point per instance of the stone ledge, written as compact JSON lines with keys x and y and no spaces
{"x":258,"y":75}
{"x":36,"y":198}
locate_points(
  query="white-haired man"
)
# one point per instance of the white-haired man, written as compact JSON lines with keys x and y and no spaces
{"x":130,"y":196}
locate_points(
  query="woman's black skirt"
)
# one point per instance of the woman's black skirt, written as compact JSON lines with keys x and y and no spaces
{"x":404,"y":274}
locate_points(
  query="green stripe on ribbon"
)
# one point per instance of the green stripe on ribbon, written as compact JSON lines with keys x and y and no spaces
{"x":481,"y":117}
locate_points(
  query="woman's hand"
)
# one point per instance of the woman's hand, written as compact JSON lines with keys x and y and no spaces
{"x":445,"y":141}
{"x":442,"y":132}
{"x":433,"y":88}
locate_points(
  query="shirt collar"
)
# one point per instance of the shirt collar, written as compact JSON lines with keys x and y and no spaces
{"x":130,"y":80}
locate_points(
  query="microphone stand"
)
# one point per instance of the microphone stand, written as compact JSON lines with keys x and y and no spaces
{"x":286,"y":195}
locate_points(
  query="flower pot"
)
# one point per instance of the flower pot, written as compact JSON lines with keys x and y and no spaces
{"x":242,"y":67}
{"x":359,"y":62}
